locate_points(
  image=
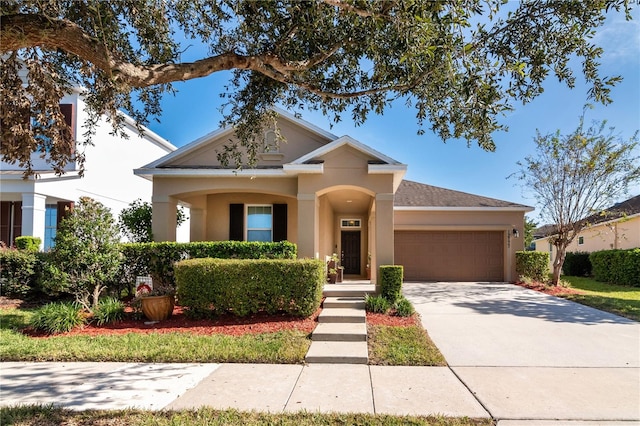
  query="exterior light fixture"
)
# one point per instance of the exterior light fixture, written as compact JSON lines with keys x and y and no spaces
{"x":515,"y":232}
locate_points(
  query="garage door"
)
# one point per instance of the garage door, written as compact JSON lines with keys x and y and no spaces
{"x":450,"y":255}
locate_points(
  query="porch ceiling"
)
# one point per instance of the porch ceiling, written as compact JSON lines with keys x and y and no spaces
{"x":349,"y":201}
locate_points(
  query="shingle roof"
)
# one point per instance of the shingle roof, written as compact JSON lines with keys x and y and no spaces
{"x":415,"y":194}
{"x":625,"y":208}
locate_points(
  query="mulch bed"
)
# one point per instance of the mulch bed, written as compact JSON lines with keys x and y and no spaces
{"x":224,"y":324}
{"x":552,"y":290}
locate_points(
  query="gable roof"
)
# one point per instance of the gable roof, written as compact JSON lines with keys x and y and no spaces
{"x":624,"y":209}
{"x":419,"y":196}
{"x":224,"y":131}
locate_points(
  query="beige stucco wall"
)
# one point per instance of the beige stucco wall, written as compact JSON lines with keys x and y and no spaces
{"x":494,"y":220}
{"x":623,"y":234}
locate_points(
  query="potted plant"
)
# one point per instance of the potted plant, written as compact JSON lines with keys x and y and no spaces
{"x":332,"y":275}
{"x":156,"y":303}
{"x":332,"y":268}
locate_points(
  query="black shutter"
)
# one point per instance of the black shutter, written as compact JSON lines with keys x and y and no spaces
{"x":279,"y":222}
{"x":70,"y":120}
{"x":236,"y":222}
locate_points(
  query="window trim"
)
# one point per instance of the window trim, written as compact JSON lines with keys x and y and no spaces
{"x":246,"y":218}
{"x":580,"y":240}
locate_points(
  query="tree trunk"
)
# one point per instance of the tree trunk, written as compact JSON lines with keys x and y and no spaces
{"x":558,"y":261}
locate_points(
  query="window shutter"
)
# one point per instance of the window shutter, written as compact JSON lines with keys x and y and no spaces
{"x":64,"y":208}
{"x":279,"y":222}
{"x":70,"y":119}
{"x":236,"y":222}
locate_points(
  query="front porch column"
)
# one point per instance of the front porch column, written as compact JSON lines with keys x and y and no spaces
{"x":308,"y":226}
{"x":197,"y":224}
{"x":384,"y":233}
{"x":164,"y":218}
{"x":33,"y":215}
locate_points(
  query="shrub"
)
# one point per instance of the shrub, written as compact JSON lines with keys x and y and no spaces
{"x":157,"y":259}
{"x":135,"y":221}
{"x":28,"y":243}
{"x":87,"y":251}
{"x":617,"y":266}
{"x":376,"y":304}
{"x":109,"y":310}
{"x":577,"y":264}
{"x":533,"y":264}
{"x":57,"y":317}
{"x":17,"y":272}
{"x":206,"y":286}
{"x":404,"y":308}
{"x":391,"y":282}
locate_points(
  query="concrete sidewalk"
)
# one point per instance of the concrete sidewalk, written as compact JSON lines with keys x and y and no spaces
{"x":261,"y":387}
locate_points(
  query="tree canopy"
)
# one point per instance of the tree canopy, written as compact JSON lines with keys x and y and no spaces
{"x":576,"y":176}
{"x":459,"y":64}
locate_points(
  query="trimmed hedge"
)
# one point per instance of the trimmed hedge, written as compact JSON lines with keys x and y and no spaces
{"x":391,"y":282}
{"x":28,"y":243}
{"x":577,"y":264}
{"x":532,"y":264}
{"x":617,"y":266}
{"x":242,"y":287}
{"x":157,"y":259}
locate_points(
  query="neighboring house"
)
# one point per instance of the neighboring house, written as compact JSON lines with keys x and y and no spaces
{"x":34,"y":206}
{"x":617,"y":227}
{"x":332,"y":194}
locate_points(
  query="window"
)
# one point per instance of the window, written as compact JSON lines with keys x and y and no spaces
{"x":50,"y":225}
{"x":259,"y":223}
{"x":580,"y":240}
{"x":270,"y":142}
{"x":350,"y":223}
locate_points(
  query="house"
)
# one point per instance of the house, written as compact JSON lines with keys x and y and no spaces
{"x":617,"y":227}
{"x":35,"y":205}
{"x":332,"y":194}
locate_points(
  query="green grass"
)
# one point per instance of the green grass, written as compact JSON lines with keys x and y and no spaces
{"x":620,"y":300}
{"x":285,"y":347}
{"x":49,"y":416}
{"x":402,"y":346}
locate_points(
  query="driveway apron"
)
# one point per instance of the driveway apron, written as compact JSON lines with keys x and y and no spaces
{"x":529,"y":356}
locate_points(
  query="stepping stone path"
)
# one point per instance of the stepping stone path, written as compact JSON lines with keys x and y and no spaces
{"x":341,"y":334}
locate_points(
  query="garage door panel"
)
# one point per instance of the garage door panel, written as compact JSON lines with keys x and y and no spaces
{"x":451,"y":255}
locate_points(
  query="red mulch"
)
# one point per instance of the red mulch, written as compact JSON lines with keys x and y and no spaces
{"x":224,"y":324}
{"x":552,"y":290}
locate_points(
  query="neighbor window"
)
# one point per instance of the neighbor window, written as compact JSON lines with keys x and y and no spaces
{"x":50,"y":225}
{"x":580,"y":240}
{"x":259,"y":223}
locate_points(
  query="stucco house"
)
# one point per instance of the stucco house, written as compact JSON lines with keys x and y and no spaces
{"x":618,"y":227}
{"x":35,"y":205}
{"x":332,"y":194}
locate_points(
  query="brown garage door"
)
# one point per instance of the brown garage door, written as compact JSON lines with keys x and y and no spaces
{"x":450,"y":255}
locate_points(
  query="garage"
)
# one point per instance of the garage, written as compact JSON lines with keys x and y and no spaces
{"x":450,"y":255}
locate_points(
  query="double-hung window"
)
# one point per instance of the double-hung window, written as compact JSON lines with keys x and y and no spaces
{"x":50,"y":225}
{"x":259,"y":223}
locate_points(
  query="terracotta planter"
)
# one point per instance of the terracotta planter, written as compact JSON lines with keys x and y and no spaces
{"x":158,"y":308}
{"x":332,"y":278}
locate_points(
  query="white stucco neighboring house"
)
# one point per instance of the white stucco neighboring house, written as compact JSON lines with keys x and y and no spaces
{"x":33,"y":206}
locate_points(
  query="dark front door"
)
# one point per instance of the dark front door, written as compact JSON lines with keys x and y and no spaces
{"x":351,"y":251}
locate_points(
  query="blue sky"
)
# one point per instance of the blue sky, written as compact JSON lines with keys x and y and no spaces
{"x":194,"y":111}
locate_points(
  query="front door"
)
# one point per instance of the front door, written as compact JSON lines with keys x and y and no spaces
{"x":350,"y":258}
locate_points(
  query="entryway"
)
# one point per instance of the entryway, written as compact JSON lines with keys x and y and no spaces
{"x":350,"y":256}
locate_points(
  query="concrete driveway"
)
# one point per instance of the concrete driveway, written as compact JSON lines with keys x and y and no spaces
{"x":529,"y":356}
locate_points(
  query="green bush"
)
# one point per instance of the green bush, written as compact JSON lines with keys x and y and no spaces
{"x":18,"y":272}
{"x":617,"y":266}
{"x":28,"y":243}
{"x":577,"y":264}
{"x":57,"y":317}
{"x":404,"y":308}
{"x":209,"y":286}
{"x":533,"y":264}
{"x":157,"y":259}
{"x":109,"y":310}
{"x":391,"y":282}
{"x":376,"y":304}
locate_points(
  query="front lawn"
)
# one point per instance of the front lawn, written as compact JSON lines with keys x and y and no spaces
{"x":48,"y":416}
{"x":620,"y":300}
{"x":388,"y":344}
